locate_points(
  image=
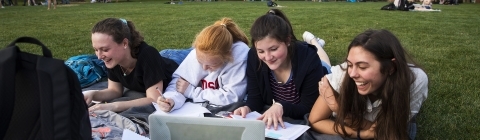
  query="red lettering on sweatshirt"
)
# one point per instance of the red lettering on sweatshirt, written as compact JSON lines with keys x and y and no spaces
{"x":209,"y":85}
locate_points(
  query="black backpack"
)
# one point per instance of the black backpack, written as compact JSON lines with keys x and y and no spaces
{"x":40,"y":97}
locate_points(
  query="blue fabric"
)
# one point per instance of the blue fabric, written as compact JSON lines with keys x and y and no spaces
{"x":326,"y":68}
{"x":177,"y":55}
{"x":88,"y":68}
{"x":412,"y":130}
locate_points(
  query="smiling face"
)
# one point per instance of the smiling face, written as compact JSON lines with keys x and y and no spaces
{"x":209,"y":62}
{"x":107,"y":50}
{"x":272,"y":52}
{"x":364,"y":69}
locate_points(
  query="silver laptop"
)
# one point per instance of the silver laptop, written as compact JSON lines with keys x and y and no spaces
{"x":169,"y":127}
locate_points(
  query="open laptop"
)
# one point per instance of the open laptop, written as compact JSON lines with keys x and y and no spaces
{"x":169,"y":127}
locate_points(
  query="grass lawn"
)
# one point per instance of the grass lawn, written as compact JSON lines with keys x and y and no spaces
{"x":445,"y":43}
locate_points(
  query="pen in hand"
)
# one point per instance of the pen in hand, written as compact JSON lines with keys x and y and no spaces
{"x":163,"y":98}
{"x":160,"y":92}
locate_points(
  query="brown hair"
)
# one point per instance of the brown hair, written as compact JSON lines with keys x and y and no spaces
{"x":217,"y":39}
{"x":120,"y":29}
{"x":392,"y":119}
{"x":274,"y":25}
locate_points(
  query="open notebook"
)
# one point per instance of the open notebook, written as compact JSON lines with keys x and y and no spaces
{"x":171,"y":127}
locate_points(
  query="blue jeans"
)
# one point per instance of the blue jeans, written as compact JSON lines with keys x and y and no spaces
{"x":326,"y":67}
{"x":412,"y":127}
{"x":177,"y":55}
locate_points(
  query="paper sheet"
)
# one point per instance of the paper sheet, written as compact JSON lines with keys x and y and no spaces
{"x":188,"y":109}
{"x":291,"y":131}
{"x":130,"y":135}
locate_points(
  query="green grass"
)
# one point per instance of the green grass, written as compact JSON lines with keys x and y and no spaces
{"x":445,"y":43}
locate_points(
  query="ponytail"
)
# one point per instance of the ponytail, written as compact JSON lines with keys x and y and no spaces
{"x":218,"y":39}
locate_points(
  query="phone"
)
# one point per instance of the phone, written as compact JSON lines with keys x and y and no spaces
{"x":224,"y":114}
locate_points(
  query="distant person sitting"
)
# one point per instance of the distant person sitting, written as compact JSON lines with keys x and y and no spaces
{"x":427,"y":4}
{"x":270,"y":3}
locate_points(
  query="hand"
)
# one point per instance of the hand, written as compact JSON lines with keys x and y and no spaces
{"x":182,"y":85}
{"x":242,"y":111}
{"x":108,"y":106}
{"x":88,"y":96}
{"x":368,"y":133}
{"x":273,"y":116}
{"x":327,"y":93}
{"x":165,"y":104}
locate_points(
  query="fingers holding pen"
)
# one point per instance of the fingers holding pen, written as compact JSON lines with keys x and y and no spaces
{"x":165,"y":104}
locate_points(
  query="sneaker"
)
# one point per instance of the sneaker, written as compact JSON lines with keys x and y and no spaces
{"x":307,"y":36}
{"x":3,"y":7}
{"x":321,"y":42}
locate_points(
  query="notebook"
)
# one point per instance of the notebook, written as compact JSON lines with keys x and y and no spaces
{"x":171,"y":127}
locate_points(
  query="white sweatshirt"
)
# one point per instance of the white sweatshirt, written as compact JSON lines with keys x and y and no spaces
{"x":224,"y":86}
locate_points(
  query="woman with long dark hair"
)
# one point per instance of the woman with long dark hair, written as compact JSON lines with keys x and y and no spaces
{"x":381,"y":91}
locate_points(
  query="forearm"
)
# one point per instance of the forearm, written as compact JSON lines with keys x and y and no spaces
{"x":327,"y":127}
{"x":122,"y":106}
{"x":105,"y":95}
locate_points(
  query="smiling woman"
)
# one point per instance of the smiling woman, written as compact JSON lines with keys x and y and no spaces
{"x":131,"y":63}
{"x":379,"y":90}
{"x":282,"y":72}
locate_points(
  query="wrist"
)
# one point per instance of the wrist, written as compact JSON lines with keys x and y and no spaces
{"x":365,"y":134}
{"x":279,"y":104}
{"x":115,"y":106}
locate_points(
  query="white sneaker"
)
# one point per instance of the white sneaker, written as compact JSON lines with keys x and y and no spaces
{"x":3,"y":7}
{"x":307,"y":36}
{"x":321,"y":42}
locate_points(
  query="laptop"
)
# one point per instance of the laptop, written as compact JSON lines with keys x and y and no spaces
{"x":170,"y":127}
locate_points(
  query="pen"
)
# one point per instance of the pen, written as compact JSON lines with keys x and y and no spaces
{"x":161,"y":95}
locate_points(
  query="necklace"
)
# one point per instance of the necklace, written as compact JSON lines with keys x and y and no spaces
{"x":124,"y":74}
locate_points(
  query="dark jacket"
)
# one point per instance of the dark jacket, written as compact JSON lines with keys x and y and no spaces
{"x":307,"y":72}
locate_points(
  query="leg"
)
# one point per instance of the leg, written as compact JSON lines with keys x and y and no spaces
{"x":54,"y":4}
{"x":177,"y":55}
{"x":319,"y":43}
{"x":49,"y":2}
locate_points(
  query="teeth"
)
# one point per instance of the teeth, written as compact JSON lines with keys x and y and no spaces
{"x":360,"y":83}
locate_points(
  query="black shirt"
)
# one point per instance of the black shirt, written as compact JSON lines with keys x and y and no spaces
{"x":150,"y":69}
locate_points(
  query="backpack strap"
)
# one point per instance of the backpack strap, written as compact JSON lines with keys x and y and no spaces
{"x":8,"y":58}
{"x":46,"y":52}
